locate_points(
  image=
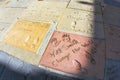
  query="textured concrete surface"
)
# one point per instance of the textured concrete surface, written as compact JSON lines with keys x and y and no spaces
{"x":12,"y":68}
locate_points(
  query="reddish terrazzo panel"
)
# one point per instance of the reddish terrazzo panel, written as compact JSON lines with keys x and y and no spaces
{"x":75,"y":54}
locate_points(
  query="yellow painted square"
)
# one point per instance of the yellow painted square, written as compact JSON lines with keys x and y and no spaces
{"x":27,"y":35}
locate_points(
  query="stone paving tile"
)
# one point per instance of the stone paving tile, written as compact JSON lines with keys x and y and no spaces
{"x":112,"y":34}
{"x":111,"y":14}
{"x":87,"y":5}
{"x":3,"y":3}
{"x":8,"y":74}
{"x":45,"y":11}
{"x":115,"y":3}
{"x":82,"y":22}
{"x":10,"y":14}
{"x":3,"y":29}
{"x":112,"y":71}
{"x":81,"y":54}
{"x":19,"y":3}
{"x":27,"y":35}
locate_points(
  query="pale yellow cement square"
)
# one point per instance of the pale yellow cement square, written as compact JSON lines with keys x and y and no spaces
{"x":43,"y":10}
{"x":9,"y":15}
{"x":72,"y":21}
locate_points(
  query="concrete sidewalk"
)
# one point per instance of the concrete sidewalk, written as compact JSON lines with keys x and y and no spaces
{"x":104,"y":17}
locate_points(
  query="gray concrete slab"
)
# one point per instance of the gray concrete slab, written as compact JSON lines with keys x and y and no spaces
{"x":112,"y":71}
